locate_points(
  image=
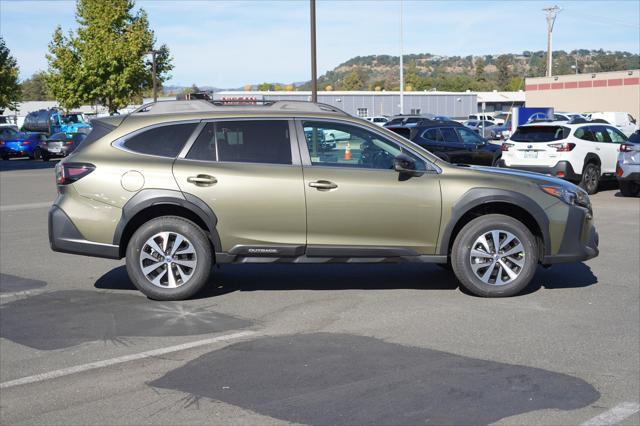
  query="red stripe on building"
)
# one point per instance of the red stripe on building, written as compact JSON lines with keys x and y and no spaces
{"x":531,"y":87}
{"x":600,"y":83}
{"x":583,"y":84}
{"x":571,"y":85}
{"x":615,"y":82}
{"x":557,"y":85}
{"x":545,"y":86}
{"x":630,"y":81}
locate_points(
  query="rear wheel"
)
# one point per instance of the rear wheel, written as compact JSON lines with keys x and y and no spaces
{"x":5,"y":157}
{"x":629,"y":189}
{"x":45,"y":156}
{"x":590,"y":178}
{"x":169,"y":258}
{"x":494,"y":256}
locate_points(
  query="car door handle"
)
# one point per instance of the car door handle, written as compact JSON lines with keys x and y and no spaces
{"x":202,"y":180}
{"x":323,"y":185}
{"x":597,"y":148}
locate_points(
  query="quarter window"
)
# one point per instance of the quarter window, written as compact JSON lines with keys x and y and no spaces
{"x":469,"y":137}
{"x":260,"y":141}
{"x":352,"y":146}
{"x":164,"y":141}
{"x":616,"y":135}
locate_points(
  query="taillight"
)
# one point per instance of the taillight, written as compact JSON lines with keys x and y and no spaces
{"x":619,"y":171}
{"x":67,"y":173}
{"x":1,"y":143}
{"x":69,"y":143}
{"x":506,"y":146}
{"x":625,"y":148}
{"x":26,"y":143}
{"x":562,"y":147}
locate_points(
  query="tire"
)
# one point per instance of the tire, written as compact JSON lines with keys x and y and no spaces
{"x":37,"y":154}
{"x":498,"y":283}
{"x":629,"y":189}
{"x":190,"y":262}
{"x":45,"y":156}
{"x":590,"y":178}
{"x":5,"y":157}
{"x":495,"y":162}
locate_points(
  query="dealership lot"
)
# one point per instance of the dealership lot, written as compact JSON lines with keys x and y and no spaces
{"x":271,"y":344}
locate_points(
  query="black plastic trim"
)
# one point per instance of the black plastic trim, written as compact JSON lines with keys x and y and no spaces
{"x":228,"y":258}
{"x":478,"y":196}
{"x":571,"y":248}
{"x":631,"y":177}
{"x":154,"y":197}
{"x":561,"y":166}
{"x":288,"y":250}
{"x":64,"y":237}
{"x":357,"y":251}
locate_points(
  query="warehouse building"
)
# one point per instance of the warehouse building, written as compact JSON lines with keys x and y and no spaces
{"x":606,"y":91}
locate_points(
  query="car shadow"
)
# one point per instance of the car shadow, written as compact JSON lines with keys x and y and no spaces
{"x":26,"y":164}
{"x":260,"y":277}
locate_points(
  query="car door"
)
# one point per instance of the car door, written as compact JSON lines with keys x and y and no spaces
{"x":605,"y":148}
{"x":473,"y":144}
{"x":248,"y":172}
{"x":357,"y":204}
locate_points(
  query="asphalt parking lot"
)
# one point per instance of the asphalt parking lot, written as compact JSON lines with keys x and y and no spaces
{"x":312,"y":344}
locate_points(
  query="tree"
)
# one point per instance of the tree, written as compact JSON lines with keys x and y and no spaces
{"x":352,"y":81}
{"x":265,"y":87}
{"x":9,"y":86}
{"x":35,"y":88}
{"x":480,"y":64}
{"x":105,"y":60}
{"x":247,"y":88}
{"x":504,"y":73}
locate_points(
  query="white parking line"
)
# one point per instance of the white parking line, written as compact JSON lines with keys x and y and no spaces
{"x":14,"y":207}
{"x":615,"y":415}
{"x":119,"y":360}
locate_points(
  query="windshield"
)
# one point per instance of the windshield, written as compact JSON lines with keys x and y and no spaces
{"x":7,"y":132}
{"x":72,"y":118}
{"x":540,"y":133}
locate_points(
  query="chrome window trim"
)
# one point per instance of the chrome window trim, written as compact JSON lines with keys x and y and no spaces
{"x":306,"y":158}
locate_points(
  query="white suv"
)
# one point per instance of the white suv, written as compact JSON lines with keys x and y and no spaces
{"x":582,"y":153}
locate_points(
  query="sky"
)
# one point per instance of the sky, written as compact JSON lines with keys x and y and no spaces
{"x":228,"y":44}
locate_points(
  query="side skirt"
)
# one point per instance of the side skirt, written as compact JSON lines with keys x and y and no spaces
{"x":222,"y":258}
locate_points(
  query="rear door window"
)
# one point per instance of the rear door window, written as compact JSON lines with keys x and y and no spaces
{"x":449,"y":135}
{"x":258,"y":141}
{"x":540,"y":133}
{"x":600,"y":134}
{"x":432,"y":135}
{"x":163,"y":141}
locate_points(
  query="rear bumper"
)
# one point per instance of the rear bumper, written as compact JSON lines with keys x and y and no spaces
{"x":630,"y":173}
{"x":580,"y":240}
{"x":563,"y":168}
{"x":10,"y":152}
{"x":64,"y":237}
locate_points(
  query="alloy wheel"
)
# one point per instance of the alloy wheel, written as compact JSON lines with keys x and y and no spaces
{"x":168,"y":259}
{"x":497,"y":257}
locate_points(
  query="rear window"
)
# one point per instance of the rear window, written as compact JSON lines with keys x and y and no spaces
{"x":163,"y":141}
{"x":395,"y":121}
{"x":540,"y":133}
{"x":402,"y":131}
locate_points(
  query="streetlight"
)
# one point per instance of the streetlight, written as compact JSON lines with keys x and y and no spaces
{"x":153,"y":54}
{"x":551,"y":19}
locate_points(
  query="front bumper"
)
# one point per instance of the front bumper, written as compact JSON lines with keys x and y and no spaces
{"x":562,"y":169}
{"x":580,"y":240}
{"x":64,"y":237}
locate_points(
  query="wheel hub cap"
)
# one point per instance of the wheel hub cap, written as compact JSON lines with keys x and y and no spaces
{"x":497,"y":257}
{"x":168,"y":260}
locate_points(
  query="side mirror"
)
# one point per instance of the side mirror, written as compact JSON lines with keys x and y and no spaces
{"x":406,"y":166}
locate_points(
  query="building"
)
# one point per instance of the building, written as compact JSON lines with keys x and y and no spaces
{"x":606,"y":91}
{"x":371,"y":103}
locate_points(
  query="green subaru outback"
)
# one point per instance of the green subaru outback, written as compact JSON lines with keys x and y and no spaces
{"x":178,"y":186}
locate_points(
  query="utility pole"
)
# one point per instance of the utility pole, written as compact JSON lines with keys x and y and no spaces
{"x":401,"y":58}
{"x":551,"y":19}
{"x":153,"y":54}
{"x":314,"y":74}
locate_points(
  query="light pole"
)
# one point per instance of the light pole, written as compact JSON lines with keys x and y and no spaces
{"x":551,"y":19}
{"x":314,"y":76}
{"x":153,"y":54}
{"x":401,"y":58}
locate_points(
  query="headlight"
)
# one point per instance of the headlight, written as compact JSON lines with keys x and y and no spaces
{"x":576,"y":197}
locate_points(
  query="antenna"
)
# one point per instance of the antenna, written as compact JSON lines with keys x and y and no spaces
{"x":551,"y":12}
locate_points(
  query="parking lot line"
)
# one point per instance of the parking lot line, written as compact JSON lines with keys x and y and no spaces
{"x":14,"y":207}
{"x":615,"y":415}
{"x":122,"y":359}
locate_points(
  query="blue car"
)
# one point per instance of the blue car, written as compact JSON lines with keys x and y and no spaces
{"x":21,"y":144}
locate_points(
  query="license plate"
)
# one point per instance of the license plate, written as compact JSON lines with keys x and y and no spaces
{"x":55,"y":149}
{"x":531,"y":154}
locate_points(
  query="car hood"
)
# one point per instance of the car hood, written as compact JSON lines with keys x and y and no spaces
{"x":537,"y":178}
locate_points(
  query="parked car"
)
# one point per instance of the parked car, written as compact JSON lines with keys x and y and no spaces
{"x":622,"y":120}
{"x":453,"y":142}
{"x":409,"y":120}
{"x":178,"y":191}
{"x":501,"y":132}
{"x":628,"y":167}
{"x":59,"y":145}
{"x":486,"y":129}
{"x":20,"y":144}
{"x":566,"y":116}
{"x":583,"y":153}
{"x":53,"y":120}
{"x":486,"y":117}
{"x":377,"y":120}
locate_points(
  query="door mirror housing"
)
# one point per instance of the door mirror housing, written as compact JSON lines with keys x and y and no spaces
{"x":406,"y":166}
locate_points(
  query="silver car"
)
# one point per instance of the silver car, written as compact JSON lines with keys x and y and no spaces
{"x":628,"y":167}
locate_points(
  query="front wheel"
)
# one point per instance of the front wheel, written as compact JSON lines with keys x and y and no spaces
{"x":494,"y":256}
{"x":169,"y":258}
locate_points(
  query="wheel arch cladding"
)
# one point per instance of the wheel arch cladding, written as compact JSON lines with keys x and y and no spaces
{"x":151,"y":203}
{"x":592,"y":158}
{"x":480,"y":201}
